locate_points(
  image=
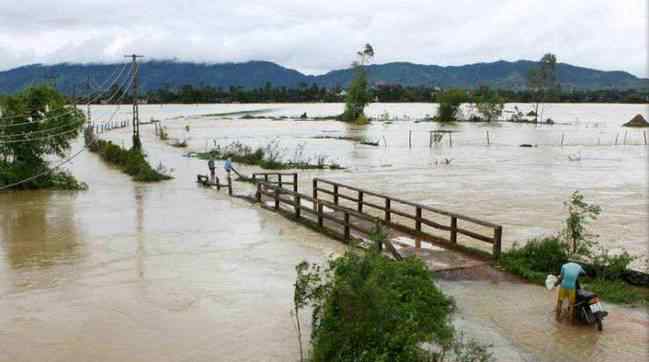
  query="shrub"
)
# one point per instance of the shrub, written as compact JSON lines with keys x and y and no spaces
{"x":536,"y":259}
{"x":370,"y":308}
{"x":449,"y":105}
{"x":132,"y":162}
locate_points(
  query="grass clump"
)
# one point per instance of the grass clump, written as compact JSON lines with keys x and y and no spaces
{"x":269,"y":157}
{"x":132,"y":162}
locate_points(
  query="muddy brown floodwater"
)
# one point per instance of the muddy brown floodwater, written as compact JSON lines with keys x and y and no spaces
{"x":173,"y":272}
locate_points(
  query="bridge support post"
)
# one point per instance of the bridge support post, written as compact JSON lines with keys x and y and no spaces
{"x":453,"y":229}
{"x":498,"y":235}
{"x":295,"y":182}
{"x":347,"y":229}
{"x":276,"y":199}
{"x":387,"y":211}
{"x":229,"y":184}
{"x":320,"y":218}
{"x":360,"y":201}
{"x":315,"y":189}
{"x":336,"y":194}
{"x":258,"y":194}
{"x":297,"y":206}
{"x":279,"y":180}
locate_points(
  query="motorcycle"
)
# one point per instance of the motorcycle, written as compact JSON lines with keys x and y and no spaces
{"x":588,"y":309}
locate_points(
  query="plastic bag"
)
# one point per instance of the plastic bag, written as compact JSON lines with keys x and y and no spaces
{"x":550,"y":281}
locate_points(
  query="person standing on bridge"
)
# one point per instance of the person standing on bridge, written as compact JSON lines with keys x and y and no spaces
{"x":228,"y":167}
{"x":212,"y":167}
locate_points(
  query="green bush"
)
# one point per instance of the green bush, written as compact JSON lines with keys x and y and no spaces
{"x":536,"y":259}
{"x":132,"y":162}
{"x":449,"y":105}
{"x":370,"y":308}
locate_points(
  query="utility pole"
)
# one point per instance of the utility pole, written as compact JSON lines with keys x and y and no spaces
{"x":89,"y":100}
{"x":137,"y":143}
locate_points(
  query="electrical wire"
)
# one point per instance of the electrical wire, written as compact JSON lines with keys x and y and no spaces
{"x":90,"y":101}
{"x":63,"y":162}
{"x":8,"y":138}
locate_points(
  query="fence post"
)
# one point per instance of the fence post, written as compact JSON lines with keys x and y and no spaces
{"x":562,"y":138}
{"x":297,"y":206}
{"x":498,"y":235}
{"x":258,"y":194}
{"x":379,"y":243}
{"x":644,"y":134}
{"x":418,"y":219}
{"x":360,"y":201}
{"x":409,"y":138}
{"x":276,"y":199}
{"x":387,"y":211}
{"x":218,"y":183}
{"x":453,"y":229}
{"x":616,"y":136}
{"x":295,"y":182}
{"x":488,"y":142}
{"x":336,"y":194}
{"x":229,"y":184}
{"x":279,"y":180}
{"x":315,"y":189}
{"x":625,"y":133}
{"x":450,"y":139}
{"x":320,"y":218}
{"x":347,"y":230}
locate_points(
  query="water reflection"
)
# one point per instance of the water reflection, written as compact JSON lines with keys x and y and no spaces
{"x":39,"y":229}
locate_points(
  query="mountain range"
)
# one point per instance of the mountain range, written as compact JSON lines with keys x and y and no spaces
{"x":71,"y":78}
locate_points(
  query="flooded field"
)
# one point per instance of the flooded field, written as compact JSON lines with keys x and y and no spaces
{"x":173,"y":272}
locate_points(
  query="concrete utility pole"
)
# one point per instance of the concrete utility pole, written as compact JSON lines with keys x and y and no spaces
{"x":137,"y":143}
{"x":88,"y":101}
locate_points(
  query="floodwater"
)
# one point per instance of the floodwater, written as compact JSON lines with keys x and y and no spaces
{"x":173,"y":272}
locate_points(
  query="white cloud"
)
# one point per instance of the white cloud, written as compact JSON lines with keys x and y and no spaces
{"x":319,"y":36}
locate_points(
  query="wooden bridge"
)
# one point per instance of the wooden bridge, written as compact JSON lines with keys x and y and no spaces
{"x":443,"y":239}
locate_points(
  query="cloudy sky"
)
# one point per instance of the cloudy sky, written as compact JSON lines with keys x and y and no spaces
{"x":318,"y":36}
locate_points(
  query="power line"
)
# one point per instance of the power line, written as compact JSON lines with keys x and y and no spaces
{"x":90,"y":101}
{"x":69,"y":131}
{"x":69,"y":159}
{"x":72,"y":110}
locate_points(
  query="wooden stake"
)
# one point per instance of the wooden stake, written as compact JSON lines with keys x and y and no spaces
{"x":488,"y":142}
{"x":644,"y":134}
{"x":625,"y":133}
{"x":562,"y":138}
{"x":409,"y":139}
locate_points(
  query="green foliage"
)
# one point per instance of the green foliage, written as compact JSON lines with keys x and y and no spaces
{"x":449,"y":105}
{"x":268,"y":157}
{"x":370,"y":308}
{"x":357,"y":95}
{"x":580,"y":214}
{"x":36,"y":124}
{"x":490,"y":105}
{"x":536,"y":259}
{"x":132,"y":162}
{"x":617,"y":291}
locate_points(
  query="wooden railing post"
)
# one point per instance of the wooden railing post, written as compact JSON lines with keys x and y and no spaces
{"x":315,"y":189}
{"x":387,"y":211}
{"x":279,"y":180}
{"x":297,"y":206}
{"x":418,"y":219}
{"x":266,"y":177}
{"x":454,"y":229}
{"x":379,"y":243}
{"x":229,"y":184}
{"x":258,"y":194}
{"x":336,"y":194}
{"x":347,"y":229}
{"x":295,"y":182}
{"x":320,"y":212}
{"x":498,"y":235}
{"x":360,"y":201}
{"x":276,"y":199}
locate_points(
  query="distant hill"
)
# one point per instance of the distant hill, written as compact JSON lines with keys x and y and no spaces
{"x":158,"y":74}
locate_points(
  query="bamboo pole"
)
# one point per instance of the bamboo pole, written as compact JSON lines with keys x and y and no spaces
{"x":563,"y":136}
{"x":430,"y":139}
{"x":488,"y":142}
{"x":410,"y":139}
{"x":644,"y":134}
{"x":450,"y":139}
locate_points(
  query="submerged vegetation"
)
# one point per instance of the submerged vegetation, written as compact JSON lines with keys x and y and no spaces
{"x":268,"y":157}
{"x":132,"y":162}
{"x":608,"y":273}
{"x":36,"y":124}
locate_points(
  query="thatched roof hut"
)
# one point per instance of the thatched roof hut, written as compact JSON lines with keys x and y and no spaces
{"x":637,"y":121}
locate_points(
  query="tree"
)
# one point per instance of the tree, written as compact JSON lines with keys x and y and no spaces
{"x":490,"y":105}
{"x":34,"y":125}
{"x":541,"y":80}
{"x":357,"y":94}
{"x":449,"y":105}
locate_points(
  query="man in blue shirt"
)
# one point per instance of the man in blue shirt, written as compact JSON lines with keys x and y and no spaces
{"x":568,"y":290}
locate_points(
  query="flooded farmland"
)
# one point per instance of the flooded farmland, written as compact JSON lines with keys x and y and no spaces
{"x":172,"y":272}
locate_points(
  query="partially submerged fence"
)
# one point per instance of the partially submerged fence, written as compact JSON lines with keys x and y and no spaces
{"x":416,"y":216}
{"x":277,"y":178}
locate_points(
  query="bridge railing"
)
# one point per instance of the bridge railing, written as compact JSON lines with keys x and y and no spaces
{"x":417,"y":215}
{"x":277,"y":178}
{"x":325,"y":213}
